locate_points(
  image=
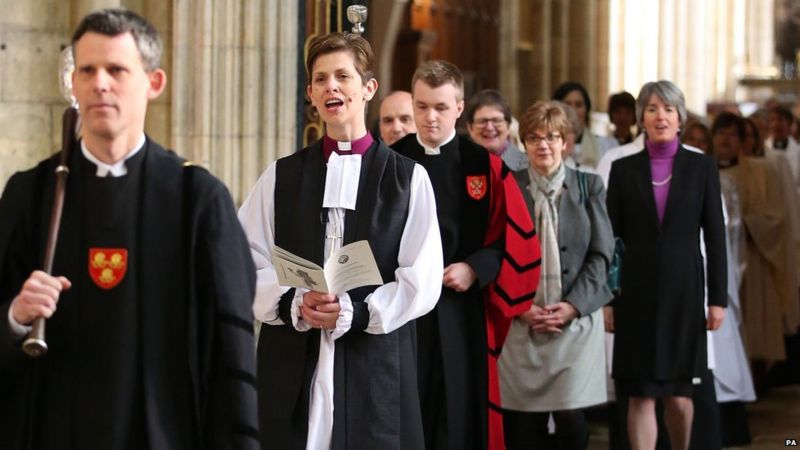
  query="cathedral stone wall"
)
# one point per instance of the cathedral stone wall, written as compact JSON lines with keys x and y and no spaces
{"x":231,"y":96}
{"x":32,"y":34}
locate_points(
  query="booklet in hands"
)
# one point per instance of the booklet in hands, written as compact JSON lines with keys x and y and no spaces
{"x":350,"y":267}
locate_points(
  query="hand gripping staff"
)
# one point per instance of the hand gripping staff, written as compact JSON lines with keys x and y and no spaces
{"x":35,"y":344}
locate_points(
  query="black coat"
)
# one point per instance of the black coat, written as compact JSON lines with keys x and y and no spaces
{"x":658,"y":318}
{"x":194,"y":290}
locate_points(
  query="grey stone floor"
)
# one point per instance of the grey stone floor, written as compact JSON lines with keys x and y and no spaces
{"x":773,"y":419}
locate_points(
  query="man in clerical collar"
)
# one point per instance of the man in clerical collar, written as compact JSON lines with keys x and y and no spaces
{"x":396,"y":117}
{"x":780,"y":139}
{"x":148,"y":308}
{"x":482,"y":216}
{"x":780,"y":125}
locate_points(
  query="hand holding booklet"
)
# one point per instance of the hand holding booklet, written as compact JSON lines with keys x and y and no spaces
{"x":347,"y":268}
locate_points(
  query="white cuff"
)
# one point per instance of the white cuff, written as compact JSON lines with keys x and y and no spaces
{"x":345,"y":319}
{"x":297,"y":321}
{"x":18,"y":331}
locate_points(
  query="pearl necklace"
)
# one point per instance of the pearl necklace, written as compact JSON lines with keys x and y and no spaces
{"x":663,"y":182}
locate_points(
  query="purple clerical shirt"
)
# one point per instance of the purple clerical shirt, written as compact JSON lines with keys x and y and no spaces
{"x":357,"y":147}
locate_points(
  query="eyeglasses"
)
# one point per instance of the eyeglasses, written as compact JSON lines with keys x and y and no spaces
{"x":483,"y":122}
{"x":550,"y":138}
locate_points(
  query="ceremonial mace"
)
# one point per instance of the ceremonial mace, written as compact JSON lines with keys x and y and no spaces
{"x":35,"y":344}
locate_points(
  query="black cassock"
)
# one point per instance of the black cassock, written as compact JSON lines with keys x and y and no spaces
{"x":452,"y":338}
{"x":163,"y":359}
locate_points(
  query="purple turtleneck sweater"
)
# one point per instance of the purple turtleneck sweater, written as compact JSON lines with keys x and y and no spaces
{"x":662,"y":155}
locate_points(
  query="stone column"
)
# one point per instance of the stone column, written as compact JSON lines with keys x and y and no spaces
{"x":384,"y":38}
{"x":579,"y":36}
{"x":234,"y":86}
{"x":546,"y":35}
{"x":561,"y":37}
{"x":601,"y":50}
{"x":760,"y":18}
{"x":383,"y":27}
{"x":508,"y":41}
{"x":32,"y":35}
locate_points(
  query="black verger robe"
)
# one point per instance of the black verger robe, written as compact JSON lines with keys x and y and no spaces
{"x":194,"y":292}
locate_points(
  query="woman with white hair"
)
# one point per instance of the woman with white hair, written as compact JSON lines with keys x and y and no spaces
{"x":658,"y":202}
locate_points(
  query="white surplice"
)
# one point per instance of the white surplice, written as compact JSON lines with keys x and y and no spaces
{"x":792,"y":154}
{"x":732,"y":378}
{"x":415,"y":291}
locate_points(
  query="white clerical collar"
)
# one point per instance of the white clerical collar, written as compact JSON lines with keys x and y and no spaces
{"x":436,"y":150}
{"x":117,"y":169}
{"x":341,"y":181}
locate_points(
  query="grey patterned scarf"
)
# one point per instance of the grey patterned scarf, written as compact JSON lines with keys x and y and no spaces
{"x":545,"y":191}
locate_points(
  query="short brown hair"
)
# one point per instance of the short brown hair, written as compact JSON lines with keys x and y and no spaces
{"x":487,"y":97}
{"x":363,"y":56}
{"x":544,"y":114}
{"x":438,"y":72}
{"x":727,"y":119}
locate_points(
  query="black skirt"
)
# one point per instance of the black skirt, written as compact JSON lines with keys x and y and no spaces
{"x":653,"y":389}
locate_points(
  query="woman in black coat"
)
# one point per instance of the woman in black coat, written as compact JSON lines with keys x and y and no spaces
{"x":659,"y":201}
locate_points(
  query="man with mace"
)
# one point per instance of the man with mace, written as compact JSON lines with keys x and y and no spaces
{"x":149,"y":325}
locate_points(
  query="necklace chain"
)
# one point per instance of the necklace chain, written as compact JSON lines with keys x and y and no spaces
{"x":663,"y":182}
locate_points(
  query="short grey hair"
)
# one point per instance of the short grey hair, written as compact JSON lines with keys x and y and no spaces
{"x":116,"y":21}
{"x":667,"y":92}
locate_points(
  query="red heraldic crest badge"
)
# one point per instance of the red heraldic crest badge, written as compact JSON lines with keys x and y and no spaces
{"x":476,"y":186}
{"x":107,"y":266}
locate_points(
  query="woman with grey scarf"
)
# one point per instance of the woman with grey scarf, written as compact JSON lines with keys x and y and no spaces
{"x":553,"y":361}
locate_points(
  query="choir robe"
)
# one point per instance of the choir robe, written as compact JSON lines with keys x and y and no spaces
{"x":732,"y":378}
{"x":186,"y":318}
{"x":373,"y":380}
{"x":789,"y":371}
{"x":769,"y":287}
{"x":459,"y":341}
{"x":791,"y":153}
{"x":791,"y":201}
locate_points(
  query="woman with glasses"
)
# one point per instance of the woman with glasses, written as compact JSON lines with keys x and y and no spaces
{"x":659,"y":200}
{"x":553,"y":361}
{"x":489,"y":124}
